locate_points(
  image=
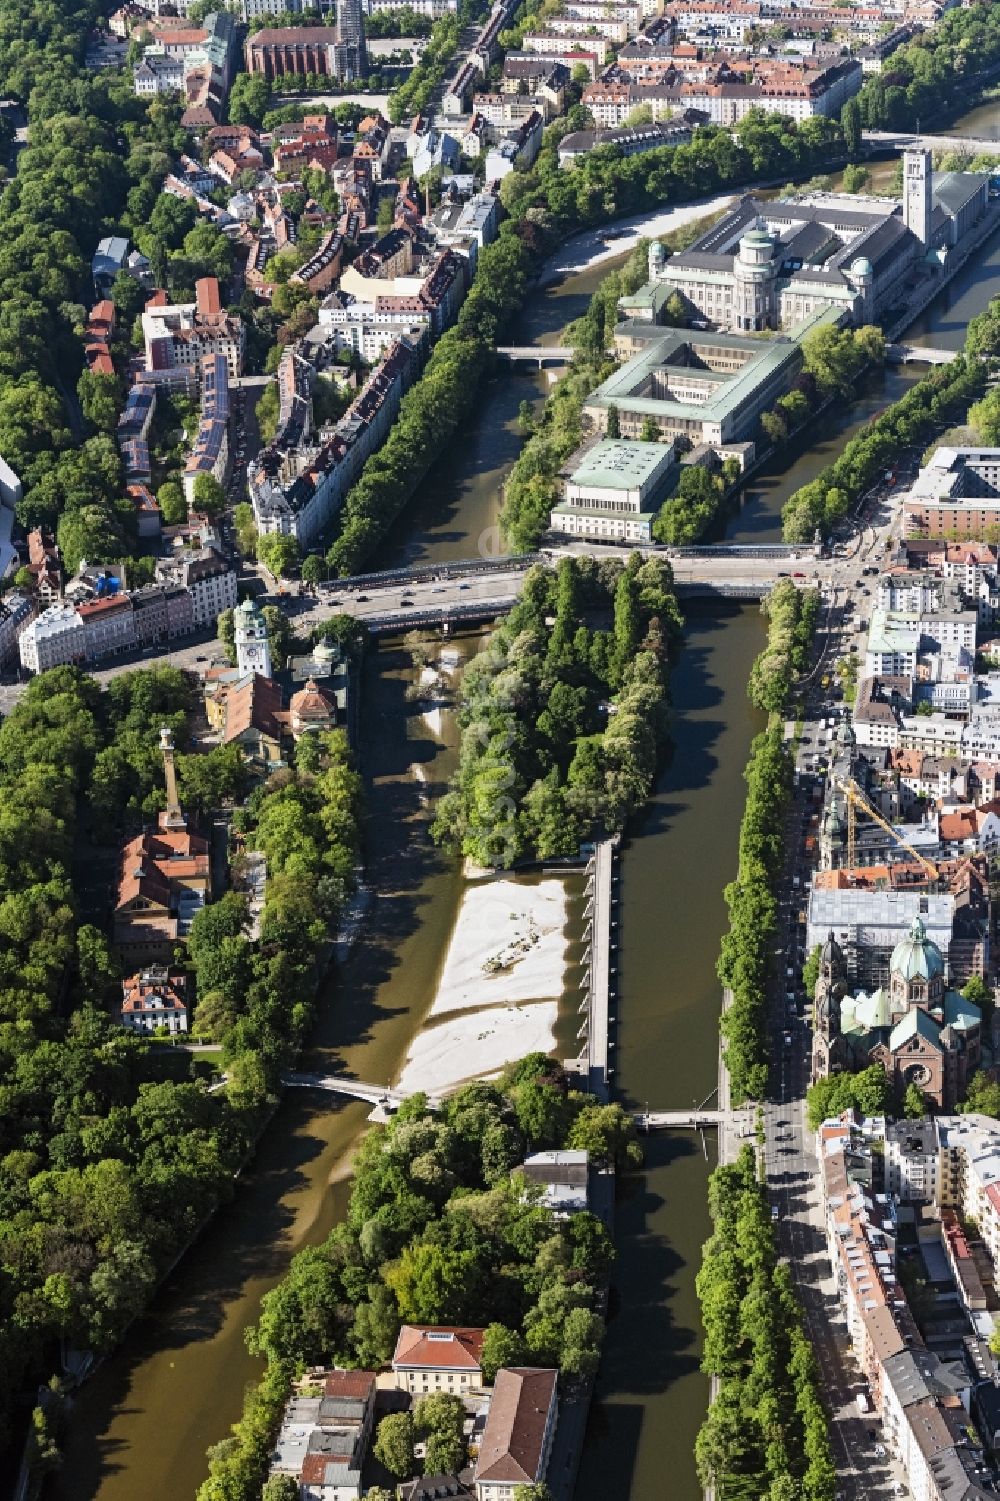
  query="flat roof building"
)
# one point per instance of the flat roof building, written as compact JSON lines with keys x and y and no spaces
{"x":612,"y":488}
{"x":708,"y":387}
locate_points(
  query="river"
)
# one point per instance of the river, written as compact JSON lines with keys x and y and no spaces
{"x":142,"y":1424}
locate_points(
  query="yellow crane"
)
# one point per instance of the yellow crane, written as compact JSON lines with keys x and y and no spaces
{"x":857,"y":799}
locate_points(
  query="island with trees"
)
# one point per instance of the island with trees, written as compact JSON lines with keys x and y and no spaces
{"x":442,"y":1229}
{"x":564,"y":713}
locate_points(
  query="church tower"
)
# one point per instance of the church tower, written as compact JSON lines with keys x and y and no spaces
{"x":828,"y":1052}
{"x":172,"y":816}
{"x":253,"y":650}
{"x":917,"y":194}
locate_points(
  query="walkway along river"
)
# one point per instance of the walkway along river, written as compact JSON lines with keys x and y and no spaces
{"x":143,"y":1423}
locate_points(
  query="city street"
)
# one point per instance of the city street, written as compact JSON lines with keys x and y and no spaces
{"x":789,"y":1152}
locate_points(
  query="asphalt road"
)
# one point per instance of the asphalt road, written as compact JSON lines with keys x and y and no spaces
{"x":789,"y":1151}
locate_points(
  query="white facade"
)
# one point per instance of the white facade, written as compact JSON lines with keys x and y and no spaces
{"x":433,"y":8}
{"x":253,"y":649}
{"x":252,"y":10}
{"x":158,"y":73}
{"x":55,"y":636}
{"x":212,"y":591}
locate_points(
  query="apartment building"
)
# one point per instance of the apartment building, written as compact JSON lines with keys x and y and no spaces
{"x":210,"y":454}
{"x":322,"y":268}
{"x":957,"y":492}
{"x":630,"y":140}
{"x":181,"y":335}
{"x":325,"y":1434}
{"x":208,"y":579}
{"x":109,"y":626}
{"x":561,"y":45}
{"x":161,"y":612}
{"x":923,"y":1402}
{"x":253,"y":10}
{"x":298,"y":488}
{"x":16,"y":611}
{"x":55,"y":636}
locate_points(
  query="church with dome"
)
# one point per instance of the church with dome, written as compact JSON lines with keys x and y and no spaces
{"x":920,"y":1030}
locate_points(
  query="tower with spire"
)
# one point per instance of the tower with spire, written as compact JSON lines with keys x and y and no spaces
{"x":829,"y":1053}
{"x":253,"y":649}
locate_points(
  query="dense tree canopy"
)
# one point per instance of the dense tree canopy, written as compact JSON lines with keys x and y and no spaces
{"x":562,"y":724}
{"x":765,"y":1434}
{"x":438,"y":1230}
{"x":108,"y":1163}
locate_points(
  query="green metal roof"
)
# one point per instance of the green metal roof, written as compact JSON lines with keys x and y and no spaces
{"x":915,"y":1023}
{"x":620,"y":464}
{"x":766,"y":358}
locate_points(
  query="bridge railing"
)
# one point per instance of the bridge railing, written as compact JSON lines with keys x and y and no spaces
{"x":739,"y":550}
{"x":517,"y":562}
{"x":398,"y":620}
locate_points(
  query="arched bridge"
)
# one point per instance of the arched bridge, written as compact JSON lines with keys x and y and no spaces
{"x":388,"y":1100}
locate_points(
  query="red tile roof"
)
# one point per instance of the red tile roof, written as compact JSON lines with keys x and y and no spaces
{"x":348,"y":1383}
{"x":253,"y":704}
{"x":314,"y":1467}
{"x":439,"y":1347}
{"x":139,"y":990}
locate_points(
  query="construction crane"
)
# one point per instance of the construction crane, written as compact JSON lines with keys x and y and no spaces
{"x":857,"y":799}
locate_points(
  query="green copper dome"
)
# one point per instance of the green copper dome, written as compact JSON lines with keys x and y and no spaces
{"x":916,"y":957}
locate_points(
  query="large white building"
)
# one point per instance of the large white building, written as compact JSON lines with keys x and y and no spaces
{"x":252,"y":10}
{"x":613,"y":490}
{"x":771,"y":264}
{"x":55,"y":636}
{"x":158,"y":73}
{"x":211,"y":583}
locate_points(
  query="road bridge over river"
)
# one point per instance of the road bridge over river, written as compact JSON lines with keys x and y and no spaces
{"x":403,"y":601}
{"x":475,"y":591}
{"x":900,"y":140}
{"x":540,"y":354}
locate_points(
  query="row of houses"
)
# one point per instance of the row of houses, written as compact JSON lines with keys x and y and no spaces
{"x":327,"y":1424}
{"x":796,"y":90}
{"x":192,"y":588}
{"x":295,"y":487}
{"x":210,"y":453}
{"x":926,"y":1402}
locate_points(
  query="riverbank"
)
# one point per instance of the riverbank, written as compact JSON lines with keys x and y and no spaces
{"x":591,"y":248}
{"x":498,"y":997}
{"x":188,"y":1359}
